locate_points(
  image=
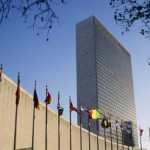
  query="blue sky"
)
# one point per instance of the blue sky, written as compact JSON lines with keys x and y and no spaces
{"x":53,"y":63}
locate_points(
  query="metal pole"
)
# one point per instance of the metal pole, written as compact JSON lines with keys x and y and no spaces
{"x":70,"y":125}
{"x":15,"y":136}
{"x":80,"y":129}
{"x":140,"y":139}
{"x":97,"y":134}
{"x":58,"y":123}
{"x":122,"y":139}
{"x":128,"y":141}
{"x":111,"y":137}
{"x":46,"y":122}
{"x":33,"y":129}
{"x":105,"y":137}
{"x":17,"y":102}
{"x":132,"y":139}
{"x":140,"y":142}
{"x":117,"y":136}
{"x":33,"y":122}
{"x":89,"y":134}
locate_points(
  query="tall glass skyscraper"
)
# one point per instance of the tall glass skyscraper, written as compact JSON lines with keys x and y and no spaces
{"x":104,"y":79}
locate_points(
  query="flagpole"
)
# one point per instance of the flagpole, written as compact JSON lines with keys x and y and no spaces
{"x":80,"y":129}
{"x":33,"y":129}
{"x":58,"y":122}
{"x":132,"y":138}
{"x":70,"y":124}
{"x":33,"y":122}
{"x":46,"y":122}
{"x":111,"y":137}
{"x":140,"y":139}
{"x":117,"y":136}
{"x":15,"y":136}
{"x":17,"y":102}
{"x":128,"y":141}
{"x":122,"y":138}
{"x":89,"y":134}
{"x":97,"y":134}
{"x":105,"y":137}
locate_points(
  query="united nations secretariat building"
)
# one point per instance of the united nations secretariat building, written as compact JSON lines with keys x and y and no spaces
{"x":104,"y":79}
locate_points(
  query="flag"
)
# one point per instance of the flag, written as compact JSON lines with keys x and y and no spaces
{"x":18,"y":92}
{"x":141,"y":131}
{"x":117,"y":124}
{"x":95,"y":114}
{"x":129,"y":130}
{"x":104,"y":123}
{"x":109,"y":121}
{"x":84,"y":109}
{"x":48,"y":99}
{"x":0,"y":75}
{"x":121,"y":125}
{"x":60,"y":110}
{"x":36,"y":101}
{"x":72,"y":108}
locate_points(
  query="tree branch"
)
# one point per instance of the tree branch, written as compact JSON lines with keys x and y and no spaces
{"x":39,"y":11}
{"x":128,"y":12}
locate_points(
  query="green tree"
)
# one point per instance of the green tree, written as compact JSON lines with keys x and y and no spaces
{"x":129,"y":12}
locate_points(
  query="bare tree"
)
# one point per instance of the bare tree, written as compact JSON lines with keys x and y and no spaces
{"x":128,"y":12}
{"x":40,"y":12}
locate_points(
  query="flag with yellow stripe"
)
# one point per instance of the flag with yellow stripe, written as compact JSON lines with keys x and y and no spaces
{"x":95,"y":114}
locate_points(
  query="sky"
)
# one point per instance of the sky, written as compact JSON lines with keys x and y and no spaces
{"x":53,"y":63}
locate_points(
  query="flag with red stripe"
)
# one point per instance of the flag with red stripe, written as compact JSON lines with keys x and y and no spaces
{"x":18,"y":91}
{"x":48,"y":98}
{"x":72,"y":108}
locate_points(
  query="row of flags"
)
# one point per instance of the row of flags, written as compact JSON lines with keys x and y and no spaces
{"x":92,"y":113}
{"x":95,"y":114}
{"x":98,"y":114}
